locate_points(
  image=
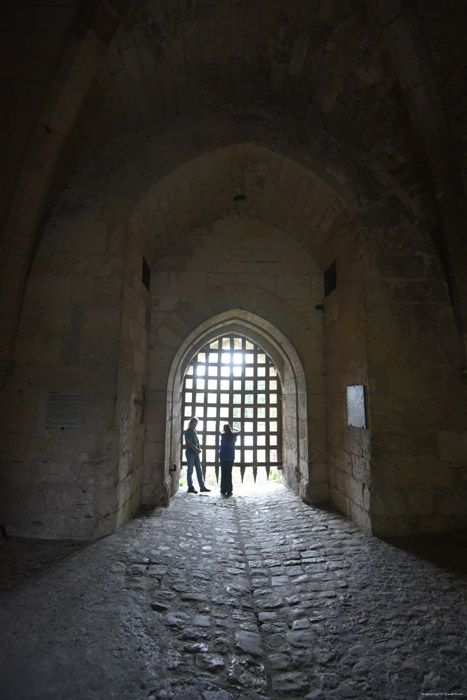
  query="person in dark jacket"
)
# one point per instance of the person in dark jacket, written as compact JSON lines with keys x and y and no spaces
{"x":227,"y":458}
{"x":193,"y":452}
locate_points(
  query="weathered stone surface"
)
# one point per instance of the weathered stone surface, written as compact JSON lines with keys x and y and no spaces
{"x":301,"y":624}
{"x":211,"y":662}
{"x":301,"y":638}
{"x":249,"y":642}
{"x":159,"y":607}
{"x":196,"y":648}
{"x":293,"y":683}
{"x":216,"y":695}
{"x":396,"y":629}
{"x":176,"y":124}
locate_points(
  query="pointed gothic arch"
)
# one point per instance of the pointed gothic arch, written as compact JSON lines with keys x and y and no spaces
{"x":293,"y":384}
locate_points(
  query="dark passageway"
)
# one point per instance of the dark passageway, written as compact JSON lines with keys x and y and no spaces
{"x":259,"y":596}
{"x":255,"y":212}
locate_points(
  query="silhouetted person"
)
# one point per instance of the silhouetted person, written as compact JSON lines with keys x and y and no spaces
{"x":227,"y":458}
{"x":192,"y":457}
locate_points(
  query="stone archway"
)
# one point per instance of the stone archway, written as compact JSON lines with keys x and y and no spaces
{"x":294,"y":396}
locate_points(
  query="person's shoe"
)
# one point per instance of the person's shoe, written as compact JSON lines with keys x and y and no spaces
{"x":191,"y":489}
{"x":204,"y":490}
{"x":228,"y":495}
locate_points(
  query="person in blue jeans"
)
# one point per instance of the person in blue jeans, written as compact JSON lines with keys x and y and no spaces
{"x":192,"y":451}
{"x":227,"y":458}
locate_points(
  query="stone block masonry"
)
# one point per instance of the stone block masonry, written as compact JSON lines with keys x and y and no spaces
{"x":258,"y":597}
{"x":201,"y":274}
{"x":83,"y":328}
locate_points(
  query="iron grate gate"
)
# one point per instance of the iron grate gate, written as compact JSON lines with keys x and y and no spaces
{"x":232,"y":380}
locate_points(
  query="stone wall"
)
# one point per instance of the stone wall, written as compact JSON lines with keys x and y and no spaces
{"x":346,"y":365}
{"x":419,"y":402}
{"x":389,"y":326}
{"x":238,"y":263}
{"x":89,"y":325}
{"x":63,"y":483}
{"x":132,"y":381}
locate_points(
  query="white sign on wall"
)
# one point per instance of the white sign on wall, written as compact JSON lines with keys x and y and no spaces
{"x":356,"y":410}
{"x":64,"y":410}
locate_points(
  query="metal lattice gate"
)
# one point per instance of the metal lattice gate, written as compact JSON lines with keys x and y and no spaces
{"x":232,"y":380}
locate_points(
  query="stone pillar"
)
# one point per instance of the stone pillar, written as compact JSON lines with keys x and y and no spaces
{"x":87,"y":43}
{"x":413,"y":63}
{"x":349,"y":447}
{"x":418,"y":407}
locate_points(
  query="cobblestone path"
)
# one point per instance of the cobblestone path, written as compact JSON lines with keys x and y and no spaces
{"x":257,"y":596}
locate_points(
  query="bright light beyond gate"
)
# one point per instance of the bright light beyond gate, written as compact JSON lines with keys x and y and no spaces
{"x":232,"y":380}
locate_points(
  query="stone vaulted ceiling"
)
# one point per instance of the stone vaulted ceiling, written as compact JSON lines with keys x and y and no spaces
{"x":318,"y":62}
{"x":319,"y":69}
{"x":322,"y":63}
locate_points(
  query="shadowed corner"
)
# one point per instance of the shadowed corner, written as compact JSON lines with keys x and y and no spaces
{"x":445,"y":550}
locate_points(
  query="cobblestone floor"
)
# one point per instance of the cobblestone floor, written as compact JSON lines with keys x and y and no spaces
{"x":257,"y":596}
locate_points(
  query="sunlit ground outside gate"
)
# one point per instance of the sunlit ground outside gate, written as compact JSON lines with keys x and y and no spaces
{"x":246,"y":487}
